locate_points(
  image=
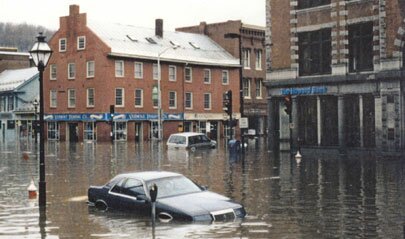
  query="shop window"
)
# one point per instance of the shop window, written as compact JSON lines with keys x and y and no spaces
{"x":53,"y":131}
{"x":89,"y":131}
{"x":314,"y":52}
{"x":403,"y":55}
{"x":120,"y":131}
{"x":311,"y":3}
{"x":361,"y":47}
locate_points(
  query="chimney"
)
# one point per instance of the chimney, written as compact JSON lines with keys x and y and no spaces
{"x":159,"y":28}
{"x":74,"y":10}
{"x":203,"y":28}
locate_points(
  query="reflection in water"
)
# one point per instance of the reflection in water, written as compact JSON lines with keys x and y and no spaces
{"x":316,"y":198}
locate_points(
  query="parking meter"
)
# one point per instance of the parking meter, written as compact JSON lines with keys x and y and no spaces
{"x":153,"y":191}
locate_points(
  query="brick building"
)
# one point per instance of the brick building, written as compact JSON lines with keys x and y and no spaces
{"x":97,"y":67}
{"x":10,"y":58}
{"x":341,"y":63}
{"x":253,"y":72}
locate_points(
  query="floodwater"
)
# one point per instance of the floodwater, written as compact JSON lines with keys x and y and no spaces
{"x":319,"y":197}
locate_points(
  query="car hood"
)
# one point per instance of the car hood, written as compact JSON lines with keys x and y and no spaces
{"x":200,"y":203}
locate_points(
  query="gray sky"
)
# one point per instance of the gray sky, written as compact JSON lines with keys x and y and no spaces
{"x":175,"y":13}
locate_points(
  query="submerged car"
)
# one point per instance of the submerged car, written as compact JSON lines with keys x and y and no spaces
{"x":178,"y":198}
{"x":190,"y":140}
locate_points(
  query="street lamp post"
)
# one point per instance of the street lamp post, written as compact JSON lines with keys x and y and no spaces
{"x":239,"y":37}
{"x":40,"y":53}
{"x":35,"y":103}
{"x":159,"y":112}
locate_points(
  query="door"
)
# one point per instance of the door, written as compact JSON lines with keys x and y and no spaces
{"x":138,"y":132}
{"x":73,"y":132}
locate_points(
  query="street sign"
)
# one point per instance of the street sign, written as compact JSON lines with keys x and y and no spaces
{"x":208,"y":127}
{"x":243,"y":123}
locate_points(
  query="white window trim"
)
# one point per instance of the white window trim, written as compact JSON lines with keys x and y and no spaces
{"x":155,"y":67}
{"x":52,"y":66}
{"x":191,"y":74}
{"x":210,"y":101}
{"x":175,"y":100}
{"x":209,"y":78}
{"x":191,"y":101}
{"x":260,"y":83}
{"x":174,"y":73}
{"x":141,"y":70}
{"x":50,"y":99}
{"x":246,"y":54}
{"x":74,"y":67}
{"x":227,"y":77}
{"x":258,"y":62}
{"x":123,"y":68}
{"x":138,"y":106}
{"x":60,"y":44}
{"x":87,"y":98}
{"x":78,"y":43}
{"x":69,"y":97}
{"x":87,"y":69}
{"x":123,"y":97}
{"x":249,"y":89}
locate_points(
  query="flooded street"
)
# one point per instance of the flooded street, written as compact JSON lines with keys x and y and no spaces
{"x":328,"y":197}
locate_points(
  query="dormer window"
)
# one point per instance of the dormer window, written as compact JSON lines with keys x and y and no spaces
{"x":62,"y":45}
{"x":81,"y":43}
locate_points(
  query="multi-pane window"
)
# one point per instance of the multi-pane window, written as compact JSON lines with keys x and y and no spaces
{"x":53,"y":99}
{"x":90,"y":69}
{"x":119,"y":97}
{"x":155,"y":72}
{"x":53,"y":130}
{"x":155,"y":96}
{"x":62,"y":45}
{"x":314,"y":52}
{"x":188,"y":101}
{"x":207,"y":101}
{"x":246,"y":58}
{"x":361,"y":47}
{"x":225,"y":77}
{"x":52,"y":72}
{"x":188,"y":72}
{"x":71,"y":98}
{"x":207,"y":76}
{"x":10,"y":104}
{"x":246,"y":87}
{"x":71,"y":70}
{"x":89,"y":131}
{"x":120,"y":131}
{"x":403,"y":56}
{"x":138,"y":98}
{"x":119,"y":68}
{"x":81,"y":43}
{"x":259,"y":84}
{"x":172,"y":73}
{"x":90,"y":97}
{"x":172,"y":100}
{"x":258,"y":63}
{"x":311,"y":3}
{"x":138,"y":70}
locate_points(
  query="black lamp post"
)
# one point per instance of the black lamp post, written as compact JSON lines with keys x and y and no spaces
{"x":40,"y":54}
{"x":35,"y":103}
{"x":239,"y":37}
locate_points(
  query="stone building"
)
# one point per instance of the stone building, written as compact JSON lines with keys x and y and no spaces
{"x":340,"y":64}
{"x":102,"y":81}
{"x":251,"y":42}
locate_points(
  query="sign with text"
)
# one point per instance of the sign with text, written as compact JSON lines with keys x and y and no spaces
{"x":243,"y":123}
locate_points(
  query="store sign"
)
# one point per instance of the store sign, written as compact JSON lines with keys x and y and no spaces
{"x":312,"y":90}
{"x":107,"y":117}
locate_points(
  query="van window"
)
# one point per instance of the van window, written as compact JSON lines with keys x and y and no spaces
{"x":176,"y":139}
{"x":193,"y":140}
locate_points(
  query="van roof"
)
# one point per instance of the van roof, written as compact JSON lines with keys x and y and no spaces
{"x":187,"y":134}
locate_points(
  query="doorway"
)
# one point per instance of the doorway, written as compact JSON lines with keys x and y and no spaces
{"x":73,"y":132}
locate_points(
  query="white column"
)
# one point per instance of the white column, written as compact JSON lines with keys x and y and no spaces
{"x":319,"y":119}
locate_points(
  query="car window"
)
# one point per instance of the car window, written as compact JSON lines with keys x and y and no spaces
{"x":193,"y":140}
{"x":176,"y":139}
{"x":205,"y":139}
{"x":118,"y":187}
{"x":172,"y":186}
{"x":133,"y":187}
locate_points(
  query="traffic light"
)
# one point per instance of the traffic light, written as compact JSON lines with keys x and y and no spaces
{"x":287,"y":104}
{"x":227,"y":102}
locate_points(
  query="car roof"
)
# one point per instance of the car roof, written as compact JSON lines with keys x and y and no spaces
{"x":149,"y":175}
{"x":187,"y":134}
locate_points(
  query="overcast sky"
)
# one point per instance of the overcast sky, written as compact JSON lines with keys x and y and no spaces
{"x":175,"y":13}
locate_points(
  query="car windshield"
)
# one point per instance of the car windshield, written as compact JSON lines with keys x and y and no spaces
{"x":173,"y":186}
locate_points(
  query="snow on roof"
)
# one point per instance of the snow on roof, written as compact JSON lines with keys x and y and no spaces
{"x":139,"y":42}
{"x":12,"y":79}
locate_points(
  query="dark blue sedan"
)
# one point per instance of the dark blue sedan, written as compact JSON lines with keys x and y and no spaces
{"x":178,"y":198}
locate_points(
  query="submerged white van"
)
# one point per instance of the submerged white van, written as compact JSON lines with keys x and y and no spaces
{"x":190,"y":140}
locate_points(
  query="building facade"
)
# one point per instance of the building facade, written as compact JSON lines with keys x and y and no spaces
{"x":102,"y":82}
{"x":18,"y":90}
{"x":10,"y":58}
{"x":250,"y":47}
{"x":339,"y":66}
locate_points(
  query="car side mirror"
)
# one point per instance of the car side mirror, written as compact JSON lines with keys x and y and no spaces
{"x":204,"y":188}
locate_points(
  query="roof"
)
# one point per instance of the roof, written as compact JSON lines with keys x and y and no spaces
{"x":12,"y":53}
{"x":12,"y":79}
{"x":139,"y":42}
{"x":149,"y":175}
{"x":187,"y":134}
